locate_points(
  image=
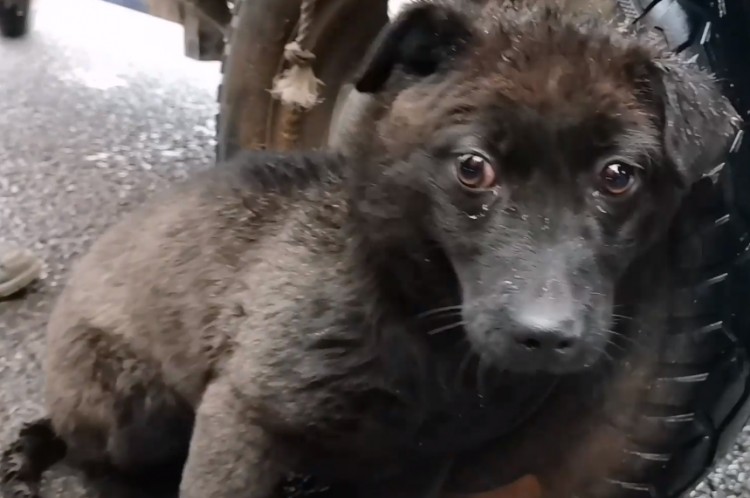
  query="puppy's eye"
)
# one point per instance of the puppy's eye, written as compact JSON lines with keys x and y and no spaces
{"x":475,"y":171}
{"x":618,"y":178}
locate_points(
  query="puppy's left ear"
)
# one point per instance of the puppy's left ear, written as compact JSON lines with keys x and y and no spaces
{"x":699,"y":121}
{"x":424,"y":39}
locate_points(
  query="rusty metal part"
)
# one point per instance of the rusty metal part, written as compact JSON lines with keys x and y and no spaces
{"x":205,"y":24}
{"x":301,"y":59}
{"x":291,"y":123}
{"x":215,"y":11}
{"x":525,"y":487}
{"x":203,"y":41}
{"x":249,"y":115}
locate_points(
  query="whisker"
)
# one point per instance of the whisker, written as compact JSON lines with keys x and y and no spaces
{"x":439,"y":310}
{"x":625,"y":338}
{"x":464,"y":365}
{"x":607,"y":356}
{"x":618,"y":346}
{"x":443,"y":314}
{"x":447,"y":327}
{"x":618,"y":334}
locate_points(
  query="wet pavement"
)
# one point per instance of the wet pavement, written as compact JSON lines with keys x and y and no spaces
{"x":93,"y":118}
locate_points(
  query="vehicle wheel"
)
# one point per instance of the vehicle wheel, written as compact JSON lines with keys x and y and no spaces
{"x":700,"y":393}
{"x":248,"y":115}
{"x":14,"y":18}
{"x":704,"y":364}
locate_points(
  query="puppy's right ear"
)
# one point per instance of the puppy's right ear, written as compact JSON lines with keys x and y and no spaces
{"x":424,"y":39}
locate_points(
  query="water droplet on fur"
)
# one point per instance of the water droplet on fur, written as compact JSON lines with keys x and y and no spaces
{"x":596,"y":193}
{"x":473,"y":216}
{"x":485,"y":207}
{"x":524,"y":217}
{"x":601,"y":209}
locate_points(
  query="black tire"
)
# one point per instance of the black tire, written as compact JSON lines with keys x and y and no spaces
{"x":14,"y":18}
{"x":705,"y":361}
{"x":713,"y":260}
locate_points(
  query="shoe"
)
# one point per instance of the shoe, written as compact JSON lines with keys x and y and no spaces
{"x":18,"y":268}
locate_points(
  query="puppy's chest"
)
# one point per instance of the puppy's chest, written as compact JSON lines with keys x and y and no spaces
{"x":436,"y":414}
{"x":438,"y":420}
{"x":347,"y":395}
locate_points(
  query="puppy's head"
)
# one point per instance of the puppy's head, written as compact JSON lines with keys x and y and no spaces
{"x":541,"y":153}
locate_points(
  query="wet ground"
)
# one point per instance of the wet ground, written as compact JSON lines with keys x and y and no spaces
{"x":93,"y":118}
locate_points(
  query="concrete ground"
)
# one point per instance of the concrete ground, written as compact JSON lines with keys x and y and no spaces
{"x":94,"y":116}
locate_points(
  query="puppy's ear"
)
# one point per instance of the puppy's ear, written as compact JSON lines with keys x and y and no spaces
{"x":699,"y":121}
{"x":421,"y":41}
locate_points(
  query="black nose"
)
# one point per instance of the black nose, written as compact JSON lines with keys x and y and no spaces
{"x":543,"y":340}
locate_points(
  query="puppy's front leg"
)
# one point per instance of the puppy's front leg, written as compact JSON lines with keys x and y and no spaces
{"x":230,"y":457}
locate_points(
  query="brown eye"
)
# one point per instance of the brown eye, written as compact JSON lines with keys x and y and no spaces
{"x":475,"y":172}
{"x":618,"y":178}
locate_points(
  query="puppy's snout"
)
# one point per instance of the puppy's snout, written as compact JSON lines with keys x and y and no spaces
{"x":544,"y":341}
{"x":557,"y":339}
{"x":543,"y":319}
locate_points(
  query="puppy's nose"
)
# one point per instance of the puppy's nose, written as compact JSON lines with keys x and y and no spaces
{"x":545,"y":340}
{"x":544,"y":329}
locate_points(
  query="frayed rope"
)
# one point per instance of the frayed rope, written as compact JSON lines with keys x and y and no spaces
{"x":297,"y":86}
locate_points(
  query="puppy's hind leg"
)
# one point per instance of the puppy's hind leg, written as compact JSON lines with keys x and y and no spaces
{"x":152,"y":436}
{"x":22,"y":464}
{"x":112,"y":407}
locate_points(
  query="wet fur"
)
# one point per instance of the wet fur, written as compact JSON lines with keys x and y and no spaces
{"x":277,"y":296}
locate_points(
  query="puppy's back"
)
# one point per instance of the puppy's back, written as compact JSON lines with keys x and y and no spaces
{"x":155,"y":282}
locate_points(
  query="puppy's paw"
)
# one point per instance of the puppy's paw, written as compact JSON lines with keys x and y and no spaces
{"x":24,"y":461}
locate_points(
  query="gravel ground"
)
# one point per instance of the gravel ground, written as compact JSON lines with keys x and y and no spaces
{"x":93,"y":119}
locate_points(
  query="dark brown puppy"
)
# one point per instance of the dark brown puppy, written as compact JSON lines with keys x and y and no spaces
{"x":366,"y":317}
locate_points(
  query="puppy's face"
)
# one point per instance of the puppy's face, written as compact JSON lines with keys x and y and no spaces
{"x":542,"y":155}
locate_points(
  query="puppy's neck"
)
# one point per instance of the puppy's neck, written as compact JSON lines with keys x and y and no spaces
{"x":402,"y":280}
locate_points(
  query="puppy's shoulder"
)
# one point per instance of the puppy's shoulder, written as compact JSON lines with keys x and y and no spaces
{"x":278,"y":173}
{"x":207,"y":224}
